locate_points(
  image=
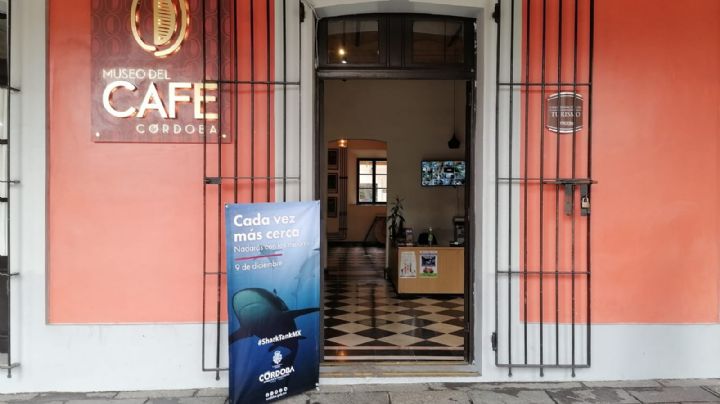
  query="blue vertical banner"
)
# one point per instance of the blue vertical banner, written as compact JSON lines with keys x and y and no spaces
{"x":273,"y":269}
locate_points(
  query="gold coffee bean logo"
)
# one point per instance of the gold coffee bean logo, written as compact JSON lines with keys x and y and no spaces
{"x":170,"y":22}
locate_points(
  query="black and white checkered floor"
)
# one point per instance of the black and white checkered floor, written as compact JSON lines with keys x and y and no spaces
{"x":366,"y":320}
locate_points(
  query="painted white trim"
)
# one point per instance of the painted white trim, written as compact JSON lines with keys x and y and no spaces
{"x":459,"y":8}
{"x":637,"y":352}
{"x":298,"y":139}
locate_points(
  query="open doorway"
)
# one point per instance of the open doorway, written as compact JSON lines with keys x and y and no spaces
{"x":396,"y":295}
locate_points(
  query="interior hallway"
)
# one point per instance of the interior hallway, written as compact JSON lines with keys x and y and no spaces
{"x":365,"y":320}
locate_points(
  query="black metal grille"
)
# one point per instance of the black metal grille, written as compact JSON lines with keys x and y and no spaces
{"x":542,"y":246}
{"x":6,"y":276}
{"x":260,"y":102}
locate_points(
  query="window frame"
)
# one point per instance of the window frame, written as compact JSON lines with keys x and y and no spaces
{"x":375,"y":188}
{"x":322,"y":38}
{"x":468,"y":49}
{"x":395,"y":49}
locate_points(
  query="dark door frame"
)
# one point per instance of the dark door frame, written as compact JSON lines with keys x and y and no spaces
{"x":470,"y":185}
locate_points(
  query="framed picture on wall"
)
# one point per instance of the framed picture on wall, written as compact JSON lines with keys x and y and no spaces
{"x":332,"y":208}
{"x":332,"y":183}
{"x":332,"y":159}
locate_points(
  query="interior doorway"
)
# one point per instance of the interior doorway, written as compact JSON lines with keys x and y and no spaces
{"x":395,"y":146}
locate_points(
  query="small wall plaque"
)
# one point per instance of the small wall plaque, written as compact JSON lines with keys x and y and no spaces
{"x":564,"y":112}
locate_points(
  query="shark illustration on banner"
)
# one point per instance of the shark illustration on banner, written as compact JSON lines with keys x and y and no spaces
{"x":273,"y":265}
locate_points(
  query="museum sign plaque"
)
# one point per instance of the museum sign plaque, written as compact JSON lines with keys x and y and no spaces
{"x":147,"y":74}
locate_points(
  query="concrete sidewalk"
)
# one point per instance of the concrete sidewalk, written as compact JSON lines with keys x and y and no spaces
{"x":650,"y":391}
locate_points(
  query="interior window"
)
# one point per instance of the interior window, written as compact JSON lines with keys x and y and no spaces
{"x":372,"y":181}
{"x":437,"y":42}
{"x":354,"y":41}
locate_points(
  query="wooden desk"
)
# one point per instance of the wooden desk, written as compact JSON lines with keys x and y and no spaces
{"x":449,"y":267}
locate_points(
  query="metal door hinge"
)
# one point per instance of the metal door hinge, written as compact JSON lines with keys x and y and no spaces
{"x":302,"y":13}
{"x":496,"y":13}
{"x":493,"y":341}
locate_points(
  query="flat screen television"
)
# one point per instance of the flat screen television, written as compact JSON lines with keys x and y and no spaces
{"x":439,"y":173}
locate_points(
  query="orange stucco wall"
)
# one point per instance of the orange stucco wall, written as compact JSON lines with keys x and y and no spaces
{"x":655,"y":155}
{"x":126,"y":220}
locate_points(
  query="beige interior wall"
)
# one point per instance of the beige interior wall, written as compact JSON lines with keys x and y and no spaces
{"x":415,"y":118}
{"x":360,"y":217}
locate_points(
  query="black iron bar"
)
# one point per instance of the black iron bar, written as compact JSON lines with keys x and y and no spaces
{"x":536,"y":84}
{"x":219,"y":193}
{"x":589,"y":172}
{"x":255,"y":177}
{"x":218,"y":369}
{"x":510,"y":162}
{"x":260,"y":82}
{"x":252,"y":100}
{"x":557,"y":193}
{"x":542,"y":174}
{"x":236,"y":99}
{"x":543,"y":273}
{"x":204,"y":203}
{"x":545,"y":366}
{"x":284,"y":145}
{"x":525,"y":175}
{"x":497,"y":175}
{"x":268,"y":47}
{"x":549,"y":180}
{"x":300,"y":70}
{"x":468,"y":306}
{"x":468,"y":347}
{"x":572,"y":214}
{"x":8,"y":127}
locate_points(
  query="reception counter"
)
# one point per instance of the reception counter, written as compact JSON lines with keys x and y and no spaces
{"x":428,"y":270}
